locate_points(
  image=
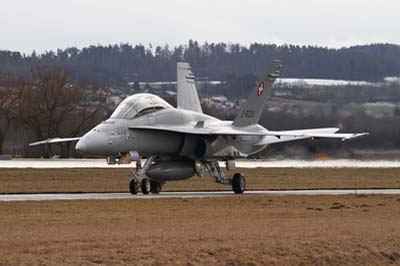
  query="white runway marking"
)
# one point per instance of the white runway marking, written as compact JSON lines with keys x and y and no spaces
{"x":166,"y":195}
{"x":101,"y":163}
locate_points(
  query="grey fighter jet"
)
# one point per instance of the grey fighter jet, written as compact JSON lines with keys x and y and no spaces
{"x":181,"y":142}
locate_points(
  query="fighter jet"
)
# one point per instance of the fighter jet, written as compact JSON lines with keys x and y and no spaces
{"x":178,"y":143}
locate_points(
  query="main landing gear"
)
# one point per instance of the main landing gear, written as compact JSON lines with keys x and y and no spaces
{"x":238,"y":181}
{"x":141,"y":181}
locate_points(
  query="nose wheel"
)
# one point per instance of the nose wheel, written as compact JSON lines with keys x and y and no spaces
{"x":134,"y":187}
{"x":146,"y":186}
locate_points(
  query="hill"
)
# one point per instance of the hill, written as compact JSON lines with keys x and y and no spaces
{"x":118,"y":64}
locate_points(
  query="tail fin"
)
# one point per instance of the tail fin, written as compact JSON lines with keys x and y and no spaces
{"x":251,"y":111}
{"x":186,"y":88}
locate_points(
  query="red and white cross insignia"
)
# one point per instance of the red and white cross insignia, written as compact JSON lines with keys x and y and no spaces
{"x":260,"y":88}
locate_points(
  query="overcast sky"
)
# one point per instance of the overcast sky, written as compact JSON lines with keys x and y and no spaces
{"x":41,"y":25}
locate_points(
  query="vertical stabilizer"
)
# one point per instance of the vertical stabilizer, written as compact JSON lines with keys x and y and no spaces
{"x":251,"y":111}
{"x":187,"y":94}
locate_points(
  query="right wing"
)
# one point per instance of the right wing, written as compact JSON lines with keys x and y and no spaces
{"x":54,"y":140}
{"x":290,"y":135}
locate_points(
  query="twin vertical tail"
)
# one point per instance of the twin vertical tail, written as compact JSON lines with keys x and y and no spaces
{"x":187,"y":93}
{"x":251,"y":111}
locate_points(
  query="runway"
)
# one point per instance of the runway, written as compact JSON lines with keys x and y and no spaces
{"x":169,"y":195}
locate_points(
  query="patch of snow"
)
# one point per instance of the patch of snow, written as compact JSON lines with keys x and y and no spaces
{"x":101,"y":163}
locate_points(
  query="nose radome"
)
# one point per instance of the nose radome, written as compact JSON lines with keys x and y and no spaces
{"x":81,"y":146}
{"x":93,"y":143}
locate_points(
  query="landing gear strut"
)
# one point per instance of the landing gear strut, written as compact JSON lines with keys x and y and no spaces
{"x":238,"y":181}
{"x":140,"y":180}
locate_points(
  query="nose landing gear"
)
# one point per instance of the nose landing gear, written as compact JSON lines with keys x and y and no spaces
{"x":140,"y":180}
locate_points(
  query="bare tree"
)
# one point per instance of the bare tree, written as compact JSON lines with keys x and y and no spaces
{"x":56,"y":106}
{"x":85,"y":115}
{"x":10,"y":92}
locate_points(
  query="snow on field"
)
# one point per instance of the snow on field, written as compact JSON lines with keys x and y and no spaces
{"x":101,"y":163}
{"x":324,"y":82}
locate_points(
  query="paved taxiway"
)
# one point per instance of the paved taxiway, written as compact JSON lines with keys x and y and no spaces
{"x":164,"y":195}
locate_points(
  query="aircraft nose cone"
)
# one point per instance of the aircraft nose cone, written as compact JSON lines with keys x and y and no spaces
{"x":81,"y":146}
{"x":93,"y":144}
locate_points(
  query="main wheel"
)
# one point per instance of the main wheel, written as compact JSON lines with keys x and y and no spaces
{"x":155,"y":187}
{"x":133,"y":187}
{"x":146,"y":186}
{"x":238,"y":183}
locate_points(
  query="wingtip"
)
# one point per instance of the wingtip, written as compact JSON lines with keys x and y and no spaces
{"x":356,"y":135}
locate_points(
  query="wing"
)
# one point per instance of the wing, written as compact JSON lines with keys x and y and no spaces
{"x":253,"y":131}
{"x":54,"y":140}
{"x":199,"y":129}
{"x":314,"y":133}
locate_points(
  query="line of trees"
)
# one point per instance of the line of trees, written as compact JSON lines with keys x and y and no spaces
{"x":49,"y":104}
{"x":118,"y":64}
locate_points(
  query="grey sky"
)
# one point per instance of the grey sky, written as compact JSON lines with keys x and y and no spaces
{"x":40,"y":25}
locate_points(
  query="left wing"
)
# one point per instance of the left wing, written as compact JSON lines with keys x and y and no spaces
{"x":54,"y":140}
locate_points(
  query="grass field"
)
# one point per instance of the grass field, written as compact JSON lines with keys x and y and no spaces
{"x":236,"y":230}
{"x":233,"y":230}
{"x":117,"y":180}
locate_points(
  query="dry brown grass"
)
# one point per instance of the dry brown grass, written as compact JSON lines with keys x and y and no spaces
{"x":112,"y":180}
{"x":236,"y":230}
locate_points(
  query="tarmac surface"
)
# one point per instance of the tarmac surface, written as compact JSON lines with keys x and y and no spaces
{"x":166,"y":195}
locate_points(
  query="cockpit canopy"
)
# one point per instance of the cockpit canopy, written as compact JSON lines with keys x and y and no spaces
{"x":138,"y":105}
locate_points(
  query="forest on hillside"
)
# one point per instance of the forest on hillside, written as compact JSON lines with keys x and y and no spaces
{"x":86,"y":78}
{"x":116,"y":65}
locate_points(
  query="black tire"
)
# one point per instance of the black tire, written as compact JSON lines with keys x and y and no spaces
{"x":133,"y":187}
{"x":155,"y":187}
{"x":238,"y":183}
{"x":146,"y":186}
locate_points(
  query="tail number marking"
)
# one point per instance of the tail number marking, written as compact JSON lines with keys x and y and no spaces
{"x":248,"y":114}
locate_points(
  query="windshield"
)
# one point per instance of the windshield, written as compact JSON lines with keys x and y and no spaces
{"x":139,"y":104}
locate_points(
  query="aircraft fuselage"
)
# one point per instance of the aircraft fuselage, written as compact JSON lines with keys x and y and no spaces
{"x":114,"y":137}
